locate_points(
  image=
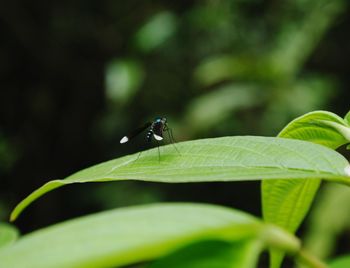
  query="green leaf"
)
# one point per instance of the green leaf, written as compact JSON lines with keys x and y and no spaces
{"x":347,"y":118}
{"x":213,"y":254}
{"x":286,"y":202}
{"x":217,"y":159}
{"x":292,"y":201}
{"x":340,"y":262}
{"x":8,"y":234}
{"x":130,"y":235}
{"x":318,"y":127}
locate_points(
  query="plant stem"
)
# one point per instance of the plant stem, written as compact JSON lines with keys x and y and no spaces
{"x":310,"y":260}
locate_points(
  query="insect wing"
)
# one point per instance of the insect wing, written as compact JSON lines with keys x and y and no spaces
{"x":135,"y":133}
{"x":157,"y":137}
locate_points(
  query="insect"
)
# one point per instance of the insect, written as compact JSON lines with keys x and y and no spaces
{"x":156,"y":130}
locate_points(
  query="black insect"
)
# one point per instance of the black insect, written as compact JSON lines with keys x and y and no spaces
{"x":156,"y":129}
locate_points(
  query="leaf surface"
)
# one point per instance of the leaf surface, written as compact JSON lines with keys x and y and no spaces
{"x":239,"y":158}
{"x":134,"y":234}
{"x":340,"y":262}
{"x":8,"y":234}
{"x":213,"y":254}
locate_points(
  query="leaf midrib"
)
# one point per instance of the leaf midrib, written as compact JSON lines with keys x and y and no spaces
{"x":322,"y":174}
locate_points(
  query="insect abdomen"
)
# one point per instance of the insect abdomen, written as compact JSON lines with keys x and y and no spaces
{"x":149,"y":135}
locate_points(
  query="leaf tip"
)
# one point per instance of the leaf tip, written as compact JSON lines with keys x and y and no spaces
{"x":47,"y":187}
{"x":17,"y":211}
{"x":13,"y":216}
{"x":347,"y":170}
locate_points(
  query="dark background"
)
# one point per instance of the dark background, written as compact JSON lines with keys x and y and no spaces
{"x":75,"y":76}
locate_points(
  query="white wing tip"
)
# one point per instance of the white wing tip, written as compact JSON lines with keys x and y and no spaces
{"x":158,"y":138}
{"x":124,"y":139}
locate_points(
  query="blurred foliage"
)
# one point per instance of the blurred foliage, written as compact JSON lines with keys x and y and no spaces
{"x":123,"y":78}
{"x":157,"y":30}
{"x":328,"y":220}
{"x":340,"y":262}
{"x":77,"y":76}
{"x":212,"y":254}
{"x":8,"y":234}
{"x":124,"y":194}
{"x":8,"y":154}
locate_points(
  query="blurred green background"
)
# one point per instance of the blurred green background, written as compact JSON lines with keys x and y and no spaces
{"x":75,"y":76}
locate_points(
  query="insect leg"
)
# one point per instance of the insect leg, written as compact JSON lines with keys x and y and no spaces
{"x":158,"y":151}
{"x":171,"y":138}
{"x":138,"y":156}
